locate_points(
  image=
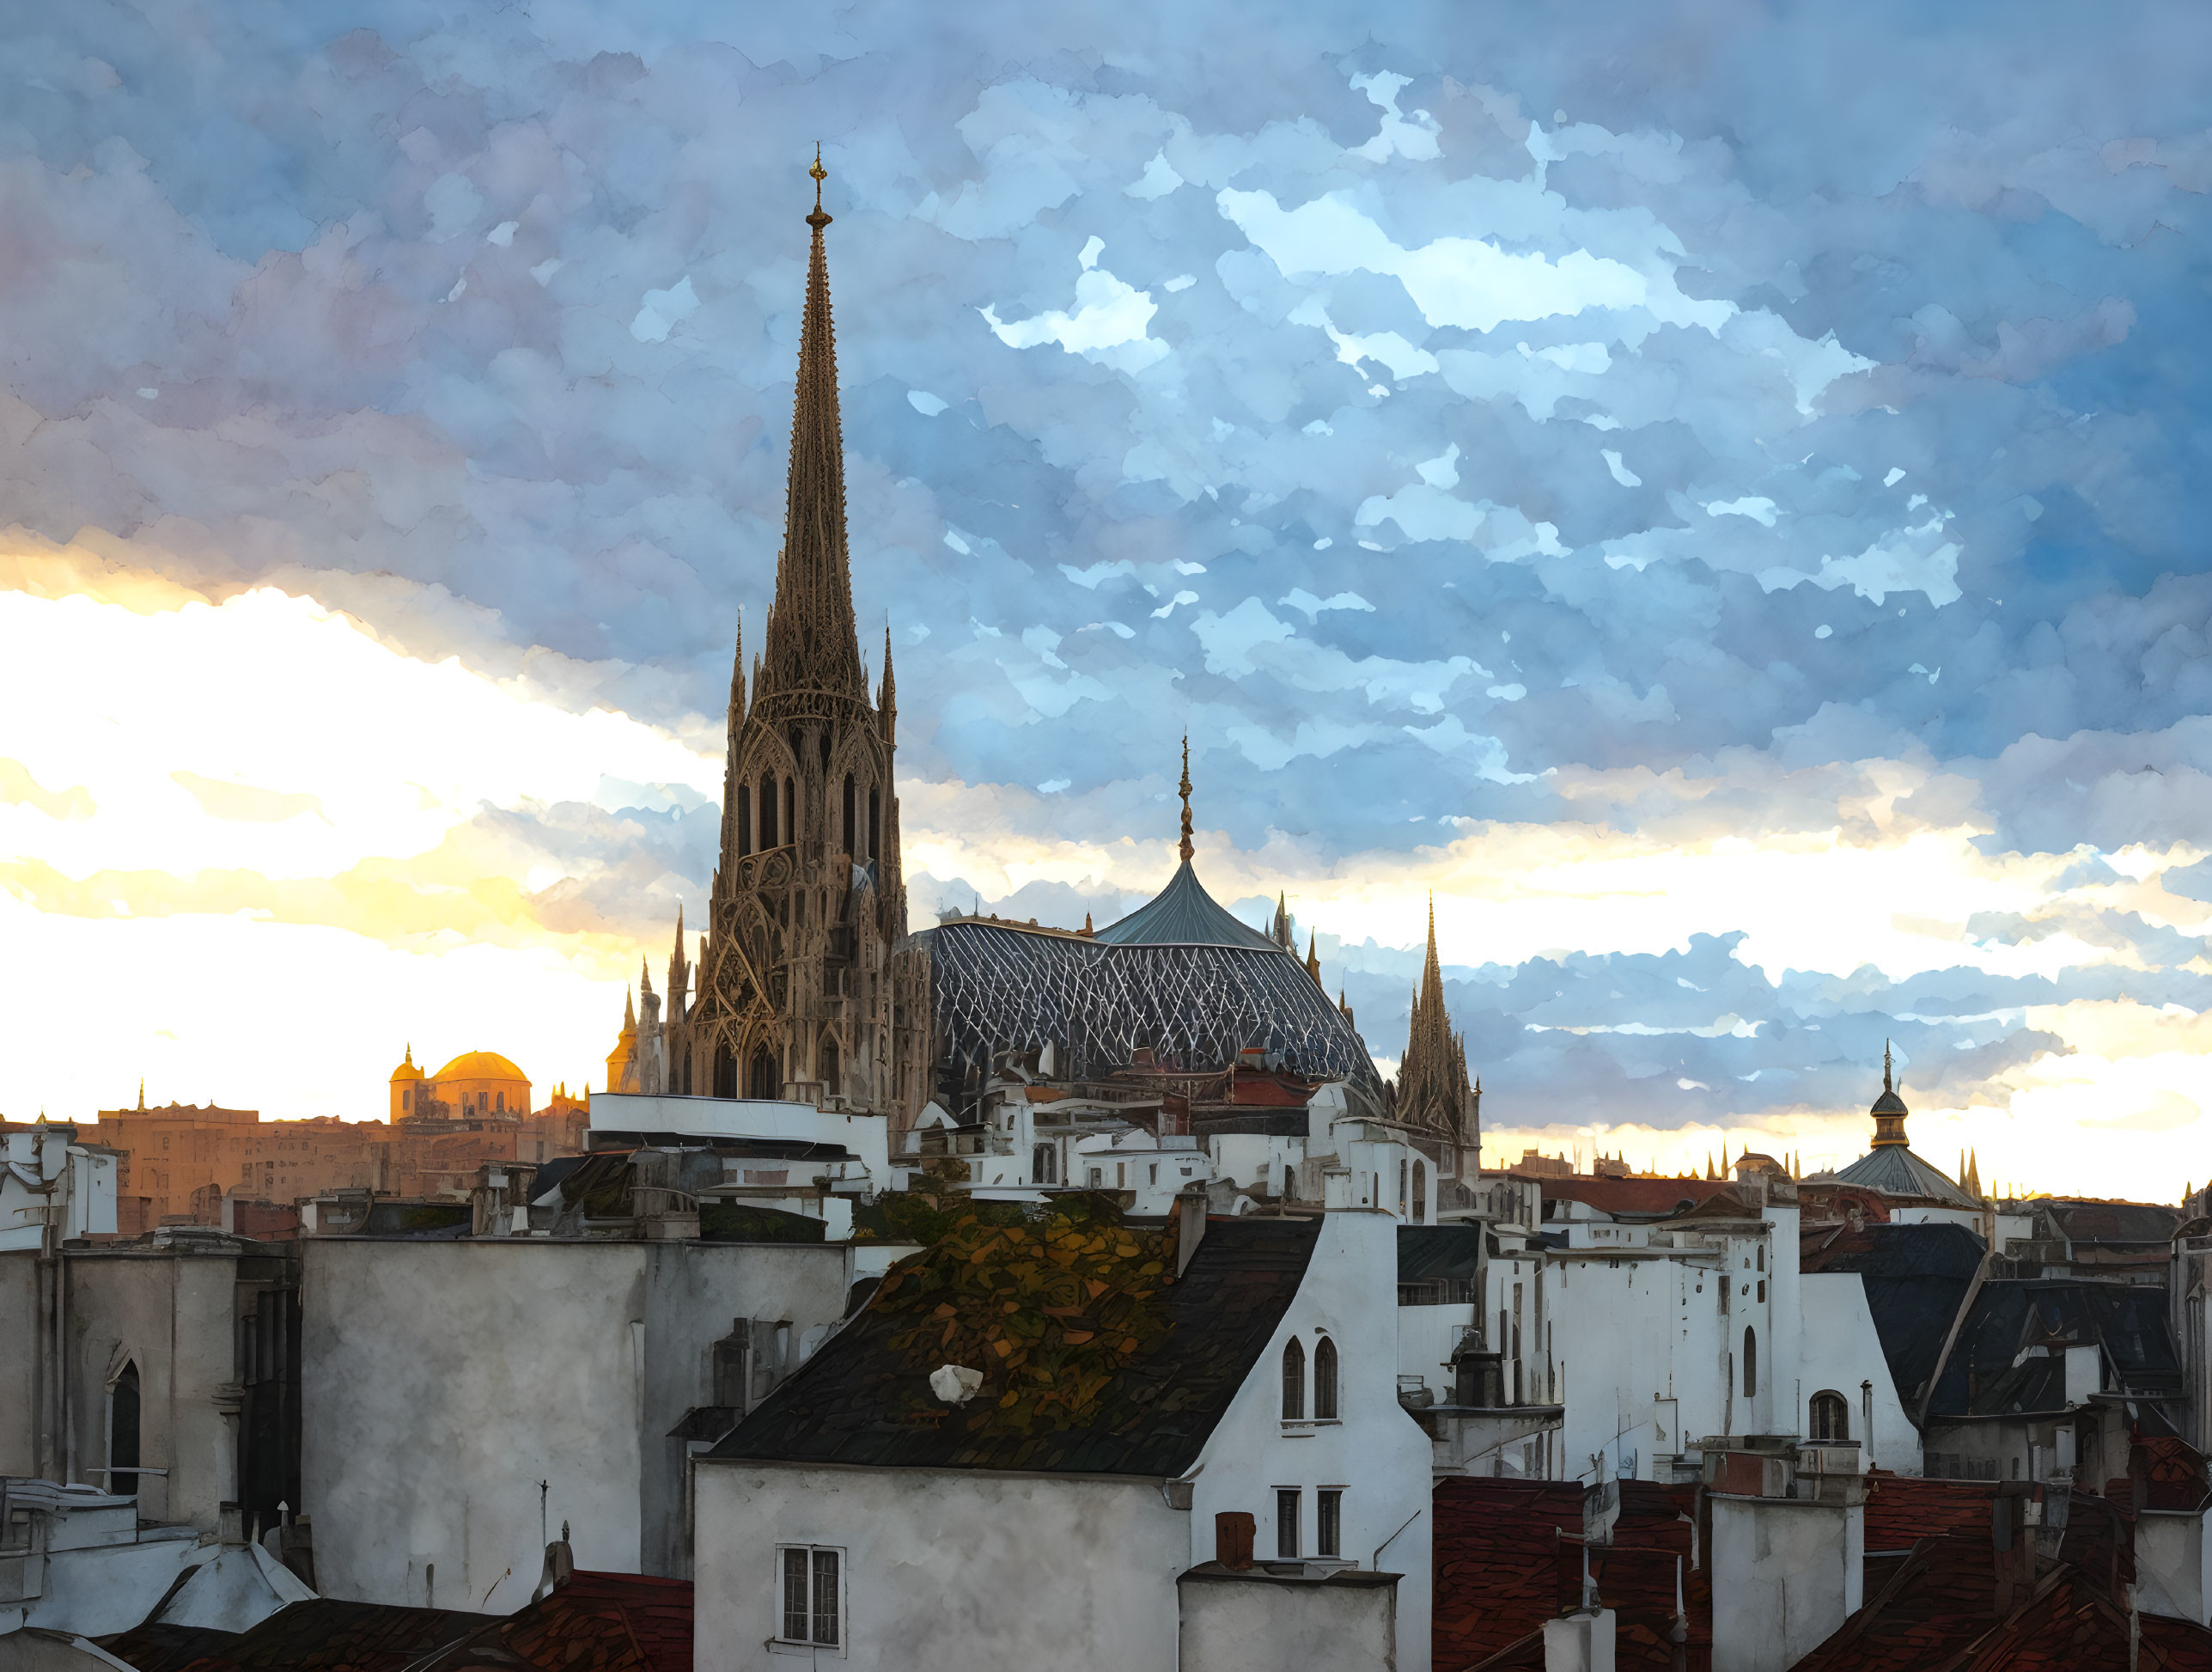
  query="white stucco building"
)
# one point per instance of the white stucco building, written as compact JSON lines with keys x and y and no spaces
{"x":465,"y":1399}
{"x":1240,"y":1431}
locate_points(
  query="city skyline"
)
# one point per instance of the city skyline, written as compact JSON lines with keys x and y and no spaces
{"x":1723,"y":532}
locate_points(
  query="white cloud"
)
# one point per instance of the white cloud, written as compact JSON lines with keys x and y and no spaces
{"x":664,"y":310}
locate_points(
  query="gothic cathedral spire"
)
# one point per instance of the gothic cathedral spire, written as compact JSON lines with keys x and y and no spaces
{"x":813,"y":645}
{"x":803,"y":990}
{"x":1433,"y":1092}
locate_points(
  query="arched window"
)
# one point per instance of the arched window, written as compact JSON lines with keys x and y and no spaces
{"x":1043,"y":1164}
{"x":744,"y":820}
{"x":830,"y":1082}
{"x":1420,"y":1192}
{"x":1294,"y":1381}
{"x":1831,"y":1417}
{"x":764,"y":1075}
{"x":122,"y":1433}
{"x":1762,"y":1256}
{"x":725,"y":1080}
{"x":767,"y":811}
{"x":1324,"y":1378}
{"x":851,"y":832}
{"x":790,"y":811}
{"x":500,"y":1102}
{"x":1750,"y":1363}
{"x":875,"y":822}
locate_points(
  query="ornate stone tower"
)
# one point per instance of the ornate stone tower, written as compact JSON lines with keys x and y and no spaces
{"x":800,"y":991}
{"x":1433,"y":1093}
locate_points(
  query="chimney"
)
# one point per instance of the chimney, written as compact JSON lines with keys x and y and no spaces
{"x":1233,"y":1531}
{"x":1787,"y":1551}
{"x":1579,"y":1642}
{"x":1190,"y":1231}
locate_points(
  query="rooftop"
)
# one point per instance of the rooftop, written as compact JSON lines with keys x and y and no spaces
{"x":1095,"y":1358}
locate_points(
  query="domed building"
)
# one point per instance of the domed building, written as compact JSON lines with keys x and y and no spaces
{"x":407,"y":1094}
{"x":1916,"y":1190}
{"x":473,"y":1086}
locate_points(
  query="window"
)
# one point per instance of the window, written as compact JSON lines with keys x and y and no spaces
{"x":767,"y":813}
{"x":1762,"y":1256}
{"x":744,"y":820}
{"x":1286,"y":1521}
{"x":1120,"y":1174}
{"x":1762,"y":1294}
{"x":1155,"y":1174}
{"x":1294,"y":1381}
{"x":1042,"y":1168}
{"x":1324,"y":1379}
{"x":122,"y":1433}
{"x":1420,"y":1193}
{"x":1095,"y":1177}
{"x":1750,"y":1363}
{"x":831,"y":1079}
{"x":1401,"y":1189}
{"x":1329,"y":1521}
{"x":1831,"y":1417}
{"x":813,"y":1598}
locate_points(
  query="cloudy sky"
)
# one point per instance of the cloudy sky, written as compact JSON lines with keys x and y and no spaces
{"x":1715,"y":492}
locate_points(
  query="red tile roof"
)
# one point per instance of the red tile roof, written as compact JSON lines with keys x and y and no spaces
{"x":1631,"y":1195}
{"x":596,"y":1622}
{"x":1502,"y":1568}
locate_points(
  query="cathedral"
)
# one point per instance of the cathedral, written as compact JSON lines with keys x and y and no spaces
{"x":807,"y":986}
{"x":801,"y":990}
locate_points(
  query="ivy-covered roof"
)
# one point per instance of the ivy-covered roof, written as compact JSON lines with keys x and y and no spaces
{"x":1095,"y":1358}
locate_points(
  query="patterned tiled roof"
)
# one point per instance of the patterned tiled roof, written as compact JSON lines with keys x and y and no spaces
{"x":1095,"y":1358}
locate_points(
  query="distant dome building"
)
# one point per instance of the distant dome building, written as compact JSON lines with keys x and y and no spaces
{"x":1890,"y":1170}
{"x":408,"y":1095}
{"x":474,"y":1085}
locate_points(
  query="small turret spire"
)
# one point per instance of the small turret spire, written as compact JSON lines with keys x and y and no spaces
{"x":142,"y":1091}
{"x":1183,"y":847}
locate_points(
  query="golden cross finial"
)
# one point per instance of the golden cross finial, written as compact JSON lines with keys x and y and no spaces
{"x":818,"y":173}
{"x":1183,"y":847}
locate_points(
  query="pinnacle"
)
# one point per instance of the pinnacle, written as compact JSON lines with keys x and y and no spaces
{"x":813,"y":644}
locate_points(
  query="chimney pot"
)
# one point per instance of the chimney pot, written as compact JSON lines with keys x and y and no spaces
{"x":1233,"y":1531}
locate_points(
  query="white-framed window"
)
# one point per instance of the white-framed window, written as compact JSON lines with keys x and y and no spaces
{"x":810,"y":1595}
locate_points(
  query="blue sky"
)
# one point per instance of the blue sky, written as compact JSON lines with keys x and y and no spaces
{"x":1714,"y":492}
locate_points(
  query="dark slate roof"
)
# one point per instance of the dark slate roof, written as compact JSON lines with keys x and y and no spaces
{"x":2115,"y":1222}
{"x":1894,"y":1170}
{"x":323,"y":1634}
{"x":864,"y":1397}
{"x":1437,"y":1251}
{"x":1183,"y":914}
{"x":1892,"y":1251}
{"x":2127,"y":1322}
